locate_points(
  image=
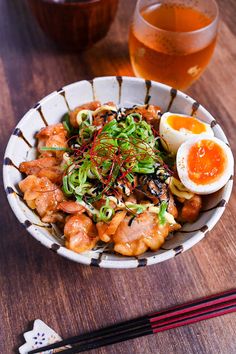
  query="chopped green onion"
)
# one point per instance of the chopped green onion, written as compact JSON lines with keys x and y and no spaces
{"x":79,"y":198}
{"x":66,"y":188}
{"x":139,"y":208}
{"x":161,"y":215}
{"x":103,"y":157}
{"x":109,"y":126}
{"x":52,"y":148}
{"x":136,"y":115}
{"x":66,"y":123}
{"x":106,"y":212}
{"x":130,"y":177}
{"x":84,"y":116}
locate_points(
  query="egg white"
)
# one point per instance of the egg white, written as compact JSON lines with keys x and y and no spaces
{"x":182,"y":166}
{"x":171,"y":139}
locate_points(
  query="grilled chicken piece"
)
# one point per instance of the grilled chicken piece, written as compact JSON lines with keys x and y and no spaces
{"x":92,"y":106}
{"x":81,"y":233}
{"x":150,"y":113}
{"x":104,"y":116}
{"x":134,"y":238}
{"x":191,"y":209}
{"x":172,"y":209}
{"x":143,"y":225}
{"x":105,"y":231}
{"x":134,"y":248}
{"x":101,"y":202}
{"x":71,"y":207}
{"x":131,"y":199}
{"x":52,"y":136}
{"x":43,"y":167}
{"x":44,"y":196}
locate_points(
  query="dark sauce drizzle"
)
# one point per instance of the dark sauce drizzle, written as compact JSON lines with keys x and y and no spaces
{"x":195,"y":107}
{"x":39,"y":109}
{"x":120,"y":80}
{"x":10,"y":190}
{"x":92,"y":85}
{"x":63,"y":94}
{"x":131,"y":220}
{"x":148,"y":86}
{"x":213,"y":123}
{"x":19,"y":133}
{"x":8,"y":162}
{"x":173,"y":94}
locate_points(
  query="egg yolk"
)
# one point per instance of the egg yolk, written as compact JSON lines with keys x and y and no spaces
{"x":188,"y":123}
{"x":206,"y":162}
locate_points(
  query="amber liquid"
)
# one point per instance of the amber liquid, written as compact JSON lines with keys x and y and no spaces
{"x":178,"y":70}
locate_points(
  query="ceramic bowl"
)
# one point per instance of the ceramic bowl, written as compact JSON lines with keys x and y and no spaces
{"x":74,"y":25}
{"x":124,"y":91}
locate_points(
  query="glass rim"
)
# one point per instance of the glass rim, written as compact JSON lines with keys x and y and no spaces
{"x":70,"y":4}
{"x":215,"y":20}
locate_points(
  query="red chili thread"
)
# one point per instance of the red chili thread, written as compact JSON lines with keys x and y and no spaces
{"x":105,"y":151}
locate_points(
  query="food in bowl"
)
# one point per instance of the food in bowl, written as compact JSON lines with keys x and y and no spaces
{"x":204,"y":164}
{"x":110,"y":174}
{"x":175,"y":129}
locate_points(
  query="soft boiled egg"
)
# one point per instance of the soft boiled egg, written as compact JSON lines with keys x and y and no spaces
{"x":204,"y":164}
{"x":175,"y":129}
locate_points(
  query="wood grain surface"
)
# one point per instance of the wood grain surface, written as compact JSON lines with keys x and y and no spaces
{"x":71,"y":298}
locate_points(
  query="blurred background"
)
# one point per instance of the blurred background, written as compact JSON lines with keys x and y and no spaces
{"x":30,"y":60}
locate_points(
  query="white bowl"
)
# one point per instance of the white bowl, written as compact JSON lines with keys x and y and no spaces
{"x":125,"y":91}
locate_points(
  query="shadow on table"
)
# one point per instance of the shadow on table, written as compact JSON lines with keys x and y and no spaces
{"x":20,"y":33}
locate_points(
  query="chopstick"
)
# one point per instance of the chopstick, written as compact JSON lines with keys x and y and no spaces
{"x":197,"y":310}
{"x":145,"y":331}
{"x":212,"y":299}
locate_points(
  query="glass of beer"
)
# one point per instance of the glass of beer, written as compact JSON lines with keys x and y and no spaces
{"x":172,"y":41}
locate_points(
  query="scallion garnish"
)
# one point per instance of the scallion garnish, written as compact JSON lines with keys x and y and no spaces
{"x":52,"y":148}
{"x":161,"y":215}
{"x":109,"y":155}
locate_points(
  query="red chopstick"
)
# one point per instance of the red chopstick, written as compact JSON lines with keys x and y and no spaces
{"x":191,"y":312}
{"x":145,"y":331}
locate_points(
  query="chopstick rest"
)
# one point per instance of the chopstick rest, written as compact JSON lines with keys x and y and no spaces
{"x":39,"y":336}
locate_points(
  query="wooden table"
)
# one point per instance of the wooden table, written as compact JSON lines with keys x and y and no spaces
{"x":37,"y":283}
